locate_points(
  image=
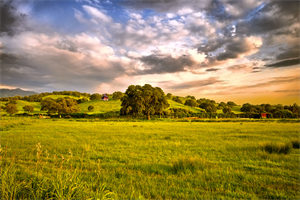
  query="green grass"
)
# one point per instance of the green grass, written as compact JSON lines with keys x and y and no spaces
{"x":81,"y":159}
{"x":20,"y":104}
{"x":236,"y":109}
{"x":104,"y":106}
{"x":174,"y":104}
{"x":101,"y":106}
{"x":53,"y":96}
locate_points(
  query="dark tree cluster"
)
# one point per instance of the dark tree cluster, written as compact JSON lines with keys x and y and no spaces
{"x":276,"y":111}
{"x":208,"y":105}
{"x":117,"y":95}
{"x":143,"y":100}
{"x":10,"y":107}
{"x":177,"y":99}
{"x":28,"y":108}
{"x":60,"y":106}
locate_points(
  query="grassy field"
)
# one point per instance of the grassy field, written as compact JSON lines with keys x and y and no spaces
{"x":81,"y":159}
{"x":174,"y":104}
{"x":101,"y":106}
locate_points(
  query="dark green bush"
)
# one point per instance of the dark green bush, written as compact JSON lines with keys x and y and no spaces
{"x":296,"y":144}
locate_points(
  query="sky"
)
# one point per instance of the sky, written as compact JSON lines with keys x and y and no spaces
{"x":226,"y":50}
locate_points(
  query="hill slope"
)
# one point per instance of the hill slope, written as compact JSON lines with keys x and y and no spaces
{"x":15,"y":92}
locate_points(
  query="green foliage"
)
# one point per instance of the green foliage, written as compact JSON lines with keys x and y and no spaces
{"x":117,"y":95}
{"x":177,"y":99}
{"x":277,"y":148}
{"x":82,"y":100}
{"x":190,"y":97}
{"x":296,"y":144}
{"x":231,"y":104}
{"x":208,"y":107}
{"x":226,"y":109}
{"x":144,"y":100}
{"x":11,"y":108}
{"x":90,"y":108}
{"x":169,"y":96}
{"x":95,"y":96}
{"x":28,"y":108}
{"x":191,"y":102}
{"x":60,"y":106}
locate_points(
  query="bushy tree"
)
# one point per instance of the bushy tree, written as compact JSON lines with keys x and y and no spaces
{"x":190,"y":97}
{"x":95,"y":96}
{"x":177,"y":99}
{"x":60,"y":106}
{"x":226,"y":110}
{"x":231,"y":103}
{"x":117,"y":95}
{"x":191,"y":102}
{"x":169,"y":96}
{"x":90,"y":108}
{"x":82,"y":100}
{"x":143,"y":100}
{"x":247,"y":107}
{"x":208,"y":107}
{"x":28,"y":108}
{"x":222,"y":105}
{"x":11,"y":108}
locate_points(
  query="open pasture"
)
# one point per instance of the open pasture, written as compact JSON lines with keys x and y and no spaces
{"x":81,"y":159}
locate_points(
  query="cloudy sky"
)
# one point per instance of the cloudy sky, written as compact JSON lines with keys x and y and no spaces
{"x":241,"y":50}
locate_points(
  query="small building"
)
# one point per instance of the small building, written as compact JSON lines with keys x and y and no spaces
{"x":104,"y":97}
{"x":264,"y":115}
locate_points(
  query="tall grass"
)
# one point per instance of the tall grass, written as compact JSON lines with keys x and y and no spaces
{"x":63,"y":159}
{"x":278,"y":148}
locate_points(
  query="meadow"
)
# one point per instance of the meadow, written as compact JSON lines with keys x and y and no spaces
{"x":97,"y":159}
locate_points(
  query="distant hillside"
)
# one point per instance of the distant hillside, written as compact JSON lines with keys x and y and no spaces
{"x":15,"y":92}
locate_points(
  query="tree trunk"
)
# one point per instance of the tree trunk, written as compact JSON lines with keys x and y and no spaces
{"x":148,"y":116}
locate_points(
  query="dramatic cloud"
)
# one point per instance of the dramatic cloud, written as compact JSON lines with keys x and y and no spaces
{"x":165,"y":64}
{"x":285,"y":63}
{"x":194,"y":84}
{"x":104,"y":45}
{"x":10,"y":18}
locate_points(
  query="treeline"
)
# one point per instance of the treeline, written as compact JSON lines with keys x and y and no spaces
{"x":146,"y":101}
{"x":39,"y":97}
{"x":273,"y":111}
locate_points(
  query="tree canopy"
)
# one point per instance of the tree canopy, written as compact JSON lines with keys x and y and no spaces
{"x":28,"y":108}
{"x":60,"y":106}
{"x":143,"y":100}
{"x":11,"y":108}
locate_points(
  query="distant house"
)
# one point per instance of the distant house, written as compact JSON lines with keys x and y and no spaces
{"x":264,"y":115}
{"x":104,"y":97}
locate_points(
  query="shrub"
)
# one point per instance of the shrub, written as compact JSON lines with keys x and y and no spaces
{"x":277,"y":148}
{"x":90,"y":108}
{"x":28,"y":108}
{"x":296,"y":144}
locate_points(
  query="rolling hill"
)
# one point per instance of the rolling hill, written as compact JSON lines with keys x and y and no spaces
{"x":15,"y":92}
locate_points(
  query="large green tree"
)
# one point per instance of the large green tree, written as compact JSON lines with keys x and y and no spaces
{"x":28,"y":108}
{"x":60,"y":106}
{"x":143,"y":100}
{"x":11,"y":108}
